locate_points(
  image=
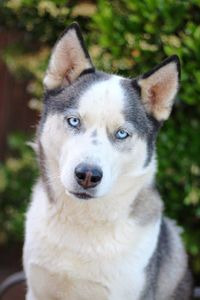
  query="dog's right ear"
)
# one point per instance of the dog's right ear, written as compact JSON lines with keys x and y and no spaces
{"x":68,"y":60}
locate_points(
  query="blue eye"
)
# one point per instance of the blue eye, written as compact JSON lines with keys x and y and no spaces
{"x":74,"y":122}
{"x":121,"y":134}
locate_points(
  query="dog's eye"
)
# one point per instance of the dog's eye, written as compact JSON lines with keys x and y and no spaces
{"x":121,"y":134}
{"x":74,"y":122}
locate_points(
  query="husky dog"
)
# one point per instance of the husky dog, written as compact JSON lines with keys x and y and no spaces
{"x":95,"y":228}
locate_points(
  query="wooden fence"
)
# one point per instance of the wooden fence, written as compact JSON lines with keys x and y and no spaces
{"x":14,"y":112}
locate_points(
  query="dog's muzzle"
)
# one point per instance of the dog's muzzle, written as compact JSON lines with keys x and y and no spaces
{"x":88,"y":176}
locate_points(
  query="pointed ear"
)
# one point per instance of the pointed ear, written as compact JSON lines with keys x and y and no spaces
{"x":159,"y":87}
{"x":68,"y":60}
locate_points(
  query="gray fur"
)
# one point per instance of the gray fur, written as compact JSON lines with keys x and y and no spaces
{"x":147,"y":207}
{"x":155,"y":265}
{"x":43,"y":170}
{"x":146,"y":126}
{"x":167,"y":276}
{"x":184,"y":288}
{"x":95,"y":142}
{"x":94,"y":133}
{"x":158,"y":277}
{"x":94,"y":137}
{"x":61,"y":99}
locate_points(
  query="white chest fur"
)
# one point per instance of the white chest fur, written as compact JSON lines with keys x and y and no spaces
{"x":65,"y":261}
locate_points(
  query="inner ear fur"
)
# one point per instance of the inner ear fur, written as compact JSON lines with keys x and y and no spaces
{"x":159,"y":88}
{"x":68,"y":60}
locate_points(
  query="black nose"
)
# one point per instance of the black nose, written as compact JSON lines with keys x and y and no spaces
{"x":88,"y":176}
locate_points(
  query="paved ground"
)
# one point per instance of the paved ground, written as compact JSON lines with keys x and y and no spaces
{"x":10,"y":262}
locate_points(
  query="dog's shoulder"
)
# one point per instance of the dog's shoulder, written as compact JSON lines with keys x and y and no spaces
{"x":168,"y":265}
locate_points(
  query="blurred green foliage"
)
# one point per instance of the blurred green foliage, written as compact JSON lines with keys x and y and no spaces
{"x":126,"y":37}
{"x":17,"y":176}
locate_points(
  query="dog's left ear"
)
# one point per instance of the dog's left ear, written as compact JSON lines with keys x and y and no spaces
{"x":159,"y":87}
{"x":68,"y":60}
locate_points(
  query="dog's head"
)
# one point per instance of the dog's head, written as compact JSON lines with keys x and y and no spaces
{"x":98,"y":130}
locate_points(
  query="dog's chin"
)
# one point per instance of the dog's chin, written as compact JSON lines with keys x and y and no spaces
{"x":80,"y":195}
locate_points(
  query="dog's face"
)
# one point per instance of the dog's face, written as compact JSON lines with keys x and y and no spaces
{"x":98,"y":130}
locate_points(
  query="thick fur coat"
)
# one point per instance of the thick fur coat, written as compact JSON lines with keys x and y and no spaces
{"x":95,"y":227}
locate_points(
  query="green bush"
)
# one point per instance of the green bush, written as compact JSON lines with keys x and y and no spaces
{"x":17,"y":175}
{"x":126,"y":37}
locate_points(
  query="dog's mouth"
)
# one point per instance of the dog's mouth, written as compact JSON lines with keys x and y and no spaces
{"x":84,"y":196}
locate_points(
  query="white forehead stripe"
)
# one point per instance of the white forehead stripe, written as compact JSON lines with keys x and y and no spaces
{"x":103,"y":99}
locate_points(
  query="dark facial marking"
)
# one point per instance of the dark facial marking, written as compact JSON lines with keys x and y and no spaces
{"x":95,"y":142}
{"x":94,"y":133}
{"x":43,"y":170}
{"x":147,"y":127}
{"x":68,"y":98}
{"x":151,"y":138}
{"x":61,"y":99}
{"x":87,"y":71}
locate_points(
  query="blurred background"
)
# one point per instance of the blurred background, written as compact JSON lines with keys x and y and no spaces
{"x":126,"y":37}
